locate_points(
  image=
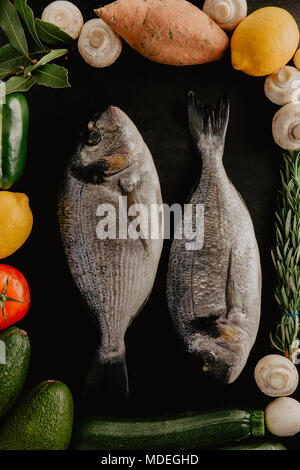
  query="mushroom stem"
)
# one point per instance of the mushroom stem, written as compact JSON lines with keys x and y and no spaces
{"x":97,"y":38}
{"x":296,"y":131}
{"x":226,"y":13}
{"x":283,"y":76}
{"x":278,"y":380}
{"x":221,"y":12}
{"x":282,"y":87}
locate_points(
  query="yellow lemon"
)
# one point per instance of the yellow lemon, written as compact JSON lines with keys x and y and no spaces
{"x":15,"y":222}
{"x":264,"y":42}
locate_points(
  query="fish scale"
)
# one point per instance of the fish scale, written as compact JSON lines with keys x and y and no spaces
{"x":214,"y":293}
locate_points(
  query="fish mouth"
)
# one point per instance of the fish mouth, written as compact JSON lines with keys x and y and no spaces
{"x":115,"y":113}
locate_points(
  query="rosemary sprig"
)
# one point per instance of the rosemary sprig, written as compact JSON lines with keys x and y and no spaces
{"x":286,"y":257}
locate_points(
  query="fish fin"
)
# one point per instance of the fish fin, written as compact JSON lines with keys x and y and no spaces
{"x":107,"y":382}
{"x":133,"y":198}
{"x":233,"y":297}
{"x":208,"y":124}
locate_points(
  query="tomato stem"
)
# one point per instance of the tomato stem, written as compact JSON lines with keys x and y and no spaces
{"x":4,"y":298}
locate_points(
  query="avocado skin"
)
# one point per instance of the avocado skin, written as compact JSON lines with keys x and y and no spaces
{"x":43,"y":420}
{"x":14,"y":372}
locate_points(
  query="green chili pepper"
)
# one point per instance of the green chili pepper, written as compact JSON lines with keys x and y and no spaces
{"x":14,"y":116}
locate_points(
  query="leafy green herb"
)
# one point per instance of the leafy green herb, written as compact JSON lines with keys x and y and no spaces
{"x":7,"y":53}
{"x":27,"y":16}
{"x":11,"y":61}
{"x":52,"y":75}
{"x":11,"y":25}
{"x":52,"y":35}
{"x":26,"y":67}
{"x":286,"y":257}
{"x":14,"y":84}
{"x":3,"y":38}
{"x":55,"y":54}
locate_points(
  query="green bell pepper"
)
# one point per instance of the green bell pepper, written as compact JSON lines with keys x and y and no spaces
{"x":14,"y":116}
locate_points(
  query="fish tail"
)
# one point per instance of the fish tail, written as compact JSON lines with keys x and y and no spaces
{"x":208,"y":124}
{"x":107,"y":381}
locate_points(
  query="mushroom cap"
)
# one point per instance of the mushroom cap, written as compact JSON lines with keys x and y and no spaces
{"x":98,"y":44}
{"x":282,"y":417}
{"x":65,"y":15}
{"x":283,"y":86}
{"x":286,"y":126}
{"x":226,"y":13}
{"x":276,"y":376}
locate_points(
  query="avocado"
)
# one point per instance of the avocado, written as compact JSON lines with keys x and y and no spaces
{"x":43,"y":419}
{"x":14,"y":363}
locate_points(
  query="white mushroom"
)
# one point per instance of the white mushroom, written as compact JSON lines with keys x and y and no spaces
{"x":282,"y":417}
{"x":66,"y":16}
{"x":226,"y":13}
{"x":286,"y":126}
{"x":276,"y":376}
{"x":283,"y":86}
{"x":98,"y":44}
{"x":297,"y":59}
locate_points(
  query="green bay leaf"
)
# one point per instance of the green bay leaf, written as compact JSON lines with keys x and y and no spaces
{"x":55,"y":54}
{"x":14,"y":84}
{"x":11,"y":60}
{"x":51,"y":34}
{"x":7,"y":52}
{"x":51,"y":75}
{"x":3,"y":38}
{"x":27,"y":16}
{"x":12,"y":27}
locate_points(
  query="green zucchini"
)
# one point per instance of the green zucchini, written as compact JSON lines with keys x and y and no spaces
{"x":181,"y":432}
{"x":255,"y":445}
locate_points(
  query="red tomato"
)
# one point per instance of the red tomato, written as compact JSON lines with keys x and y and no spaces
{"x":14,"y":296}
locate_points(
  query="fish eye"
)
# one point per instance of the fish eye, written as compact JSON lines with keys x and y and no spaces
{"x":94,"y":137}
{"x":208,"y":361}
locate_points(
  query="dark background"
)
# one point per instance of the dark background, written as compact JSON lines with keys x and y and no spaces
{"x":162,"y":379}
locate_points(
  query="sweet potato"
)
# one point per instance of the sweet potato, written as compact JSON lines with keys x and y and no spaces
{"x":172,"y":32}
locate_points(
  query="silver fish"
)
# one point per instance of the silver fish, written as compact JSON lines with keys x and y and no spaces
{"x":214,"y":293}
{"x":114,"y":276}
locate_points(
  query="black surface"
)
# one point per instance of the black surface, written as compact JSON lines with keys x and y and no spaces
{"x":162,"y":379}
